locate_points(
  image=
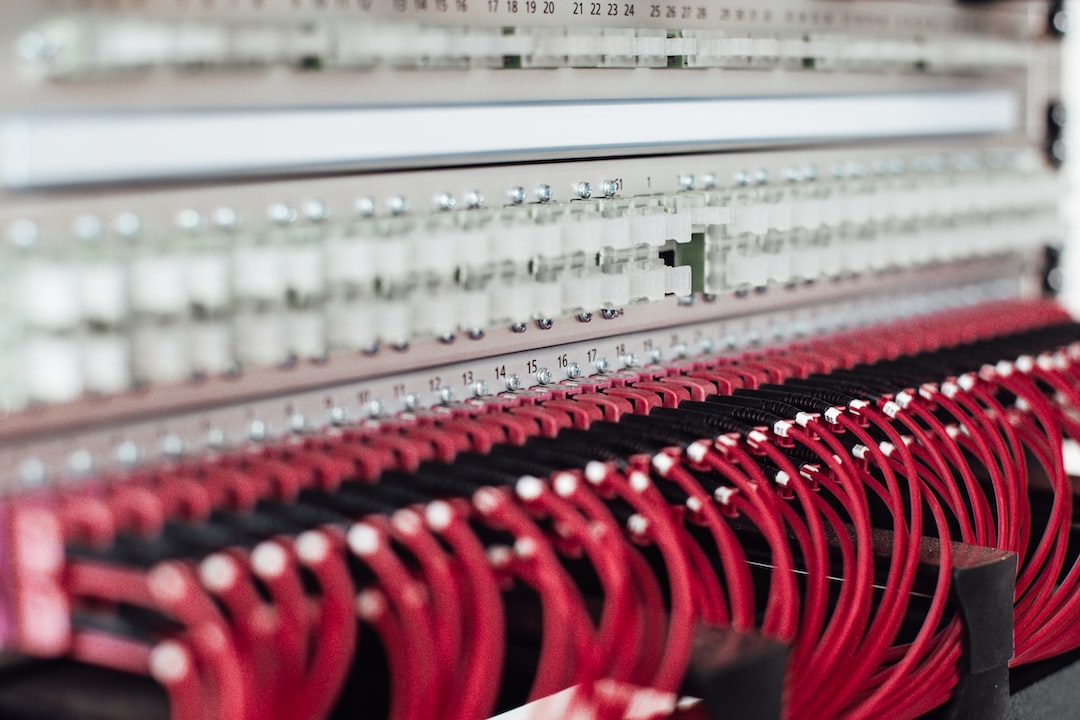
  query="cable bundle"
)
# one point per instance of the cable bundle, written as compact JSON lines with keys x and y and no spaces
{"x":454,"y":562}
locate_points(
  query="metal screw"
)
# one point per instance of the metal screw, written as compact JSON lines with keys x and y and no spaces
{"x":226,"y":218}
{"x":516,"y":195}
{"x":474,"y":199}
{"x":298,"y":423}
{"x":215,"y":438}
{"x":32,"y":472}
{"x":281,"y":214}
{"x":545,"y":323}
{"x":375,"y":409}
{"x":543,"y":376}
{"x":127,"y":224}
{"x":397,"y":205}
{"x":172,"y":445}
{"x":519,"y":327}
{"x":447,"y":338}
{"x":257,"y":430}
{"x":513,"y":383}
{"x":573,"y":371}
{"x":127,"y":452}
{"x":338,"y":415}
{"x":411,"y":402}
{"x":24,"y":233}
{"x":81,"y":461}
{"x":543,"y":193}
{"x":685,"y":300}
{"x":610,"y":188}
{"x":583,"y":190}
{"x":687,"y":182}
{"x":476,"y":334}
{"x":656,"y":356}
{"x":584,"y":317}
{"x":679,"y":351}
{"x":609,"y":313}
{"x":315,"y":210}
{"x":761,"y":177}
{"x":364,"y":207}
{"x":602,"y":365}
{"x":630,"y":360}
{"x":708,"y":181}
{"x":89,"y":227}
{"x":446,"y":395}
{"x":445,"y":201}
{"x":1060,"y":22}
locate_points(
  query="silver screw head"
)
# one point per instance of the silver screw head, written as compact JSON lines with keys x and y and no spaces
{"x":583,"y":190}
{"x":544,"y":193}
{"x":24,"y":233}
{"x":519,"y":327}
{"x":172,"y":446}
{"x":573,"y":371}
{"x":32,"y":473}
{"x":543,"y":376}
{"x":81,"y":461}
{"x":363,"y":207}
{"x":281,"y":214}
{"x":480,"y":389}
{"x":474,"y":199}
{"x":226,"y":218}
{"x":257,"y":430}
{"x":127,"y":225}
{"x":411,"y":402}
{"x":397,"y":205}
{"x":545,"y":323}
{"x":127,"y":453}
{"x":513,"y":383}
{"x":708,"y":181}
{"x":88,"y":227}
{"x":610,"y":188}
{"x":338,"y":415}
{"x":444,"y":201}
{"x":630,"y":360}
{"x":516,"y":195}
{"x":375,"y":409}
{"x":446,"y":395}
{"x":687,"y":182}
{"x":298,"y":423}
{"x":601,"y":365}
{"x":315,"y":210}
{"x":189,"y":220}
{"x":609,"y":313}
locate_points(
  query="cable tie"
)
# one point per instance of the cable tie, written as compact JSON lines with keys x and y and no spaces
{"x":756,"y":438}
{"x":529,"y":488}
{"x":525,"y":547}
{"x":832,"y":415}
{"x":724,"y":494}
{"x":693,"y":504}
{"x":595,"y":472}
{"x":805,"y":418}
{"x":1022,"y":405}
{"x":782,"y":478}
{"x":637,"y":524}
{"x":859,"y":451}
{"x":904,"y":398}
{"x":781,"y":427}
{"x":1061,"y":360}
{"x":887,"y":448}
{"x":967,"y":381}
{"x":363,"y":540}
{"x":499,"y":556}
{"x":952,"y":431}
{"x":486,"y":500}
{"x":949,"y":389}
{"x":218,"y":572}
{"x":858,"y":404}
{"x":891,"y":409}
{"x":1044,"y":362}
{"x":438,"y":514}
{"x":639,"y":481}
{"x":312,"y":547}
{"x":696,"y":451}
{"x":565,"y":484}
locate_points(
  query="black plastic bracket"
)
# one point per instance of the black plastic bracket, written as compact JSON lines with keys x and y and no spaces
{"x":738,"y":675}
{"x":983,"y":584}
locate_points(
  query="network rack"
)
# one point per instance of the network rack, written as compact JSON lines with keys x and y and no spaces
{"x":447,"y":358}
